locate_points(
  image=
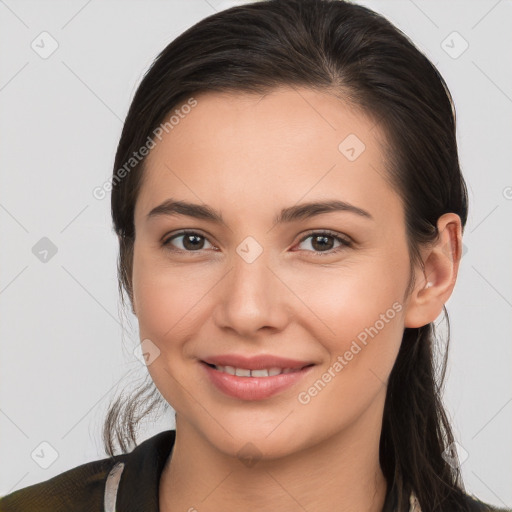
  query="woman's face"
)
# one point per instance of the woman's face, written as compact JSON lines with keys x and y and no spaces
{"x":249,"y":286}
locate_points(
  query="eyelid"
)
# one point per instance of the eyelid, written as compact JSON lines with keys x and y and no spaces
{"x":166,"y":239}
{"x":345,"y":240}
{"x":341,"y":236}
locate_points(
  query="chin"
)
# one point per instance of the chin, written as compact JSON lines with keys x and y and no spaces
{"x":253,"y":440}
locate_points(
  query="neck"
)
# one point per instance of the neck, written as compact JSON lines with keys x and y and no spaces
{"x":341,"y":473}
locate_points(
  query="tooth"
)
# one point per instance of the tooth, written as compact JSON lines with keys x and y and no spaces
{"x":244,"y":372}
{"x":259,"y":373}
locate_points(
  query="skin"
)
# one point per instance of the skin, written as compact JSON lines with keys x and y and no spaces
{"x":249,"y":156}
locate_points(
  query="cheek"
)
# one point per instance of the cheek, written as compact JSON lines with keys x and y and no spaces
{"x":165,"y":298}
{"x":361,"y":331}
{"x":356,"y":313}
{"x":173,"y":304}
{"x":156,"y":300}
{"x":340,"y":303}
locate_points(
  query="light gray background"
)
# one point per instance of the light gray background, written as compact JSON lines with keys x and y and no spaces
{"x":64,"y":353}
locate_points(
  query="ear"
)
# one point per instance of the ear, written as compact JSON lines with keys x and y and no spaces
{"x":435,"y":282}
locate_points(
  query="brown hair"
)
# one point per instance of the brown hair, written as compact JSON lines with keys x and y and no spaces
{"x":352,"y":52}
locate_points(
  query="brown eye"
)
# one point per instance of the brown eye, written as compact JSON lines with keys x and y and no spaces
{"x":191,"y":241}
{"x":323,"y":242}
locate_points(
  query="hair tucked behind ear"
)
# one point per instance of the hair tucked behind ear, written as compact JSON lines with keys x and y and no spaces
{"x":357,"y":55}
{"x":416,"y":430}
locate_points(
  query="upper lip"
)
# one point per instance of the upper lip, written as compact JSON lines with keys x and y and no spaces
{"x":255,"y":362}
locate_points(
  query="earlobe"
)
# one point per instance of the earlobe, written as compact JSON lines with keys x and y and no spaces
{"x":436,"y":280}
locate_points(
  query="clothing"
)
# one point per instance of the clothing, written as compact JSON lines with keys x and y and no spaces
{"x":124,"y":483}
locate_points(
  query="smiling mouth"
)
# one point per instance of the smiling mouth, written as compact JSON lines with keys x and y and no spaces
{"x":261,"y":373}
{"x":260,"y":383}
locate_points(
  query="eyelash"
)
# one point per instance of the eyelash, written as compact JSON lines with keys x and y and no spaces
{"x":345,"y":242}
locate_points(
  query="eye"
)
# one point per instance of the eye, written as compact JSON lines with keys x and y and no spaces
{"x":321,"y":244}
{"x":192,"y":241}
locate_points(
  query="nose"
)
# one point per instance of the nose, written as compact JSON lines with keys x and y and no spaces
{"x":253,"y":298}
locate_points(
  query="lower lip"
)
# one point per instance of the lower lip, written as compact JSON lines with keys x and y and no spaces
{"x":253,"y":388}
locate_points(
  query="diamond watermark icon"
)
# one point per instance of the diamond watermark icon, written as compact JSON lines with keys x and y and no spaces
{"x":249,"y":455}
{"x":146,"y":352}
{"x":454,"y":45}
{"x":249,"y":249}
{"x":44,"y":45}
{"x":44,"y":250}
{"x":351,"y":147}
{"x":44,"y":455}
{"x":451,"y":452}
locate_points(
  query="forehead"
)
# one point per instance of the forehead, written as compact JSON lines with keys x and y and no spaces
{"x":245,"y":150}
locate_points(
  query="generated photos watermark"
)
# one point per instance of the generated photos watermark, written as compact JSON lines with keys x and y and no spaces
{"x":173,"y":120}
{"x":304,"y":397}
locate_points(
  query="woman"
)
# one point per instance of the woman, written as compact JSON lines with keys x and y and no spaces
{"x":290,"y":207}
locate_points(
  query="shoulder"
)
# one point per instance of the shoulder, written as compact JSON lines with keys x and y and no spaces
{"x":77,"y":489}
{"x":475,"y":505}
{"x":463,"y":503}
{"x":83,"y":487}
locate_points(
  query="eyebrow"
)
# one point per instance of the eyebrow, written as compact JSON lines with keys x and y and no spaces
{"x":292,"y":213}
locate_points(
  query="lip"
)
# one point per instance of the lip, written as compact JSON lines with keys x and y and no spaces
{"x":256,"y":362}
{"x":255,"y":388}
